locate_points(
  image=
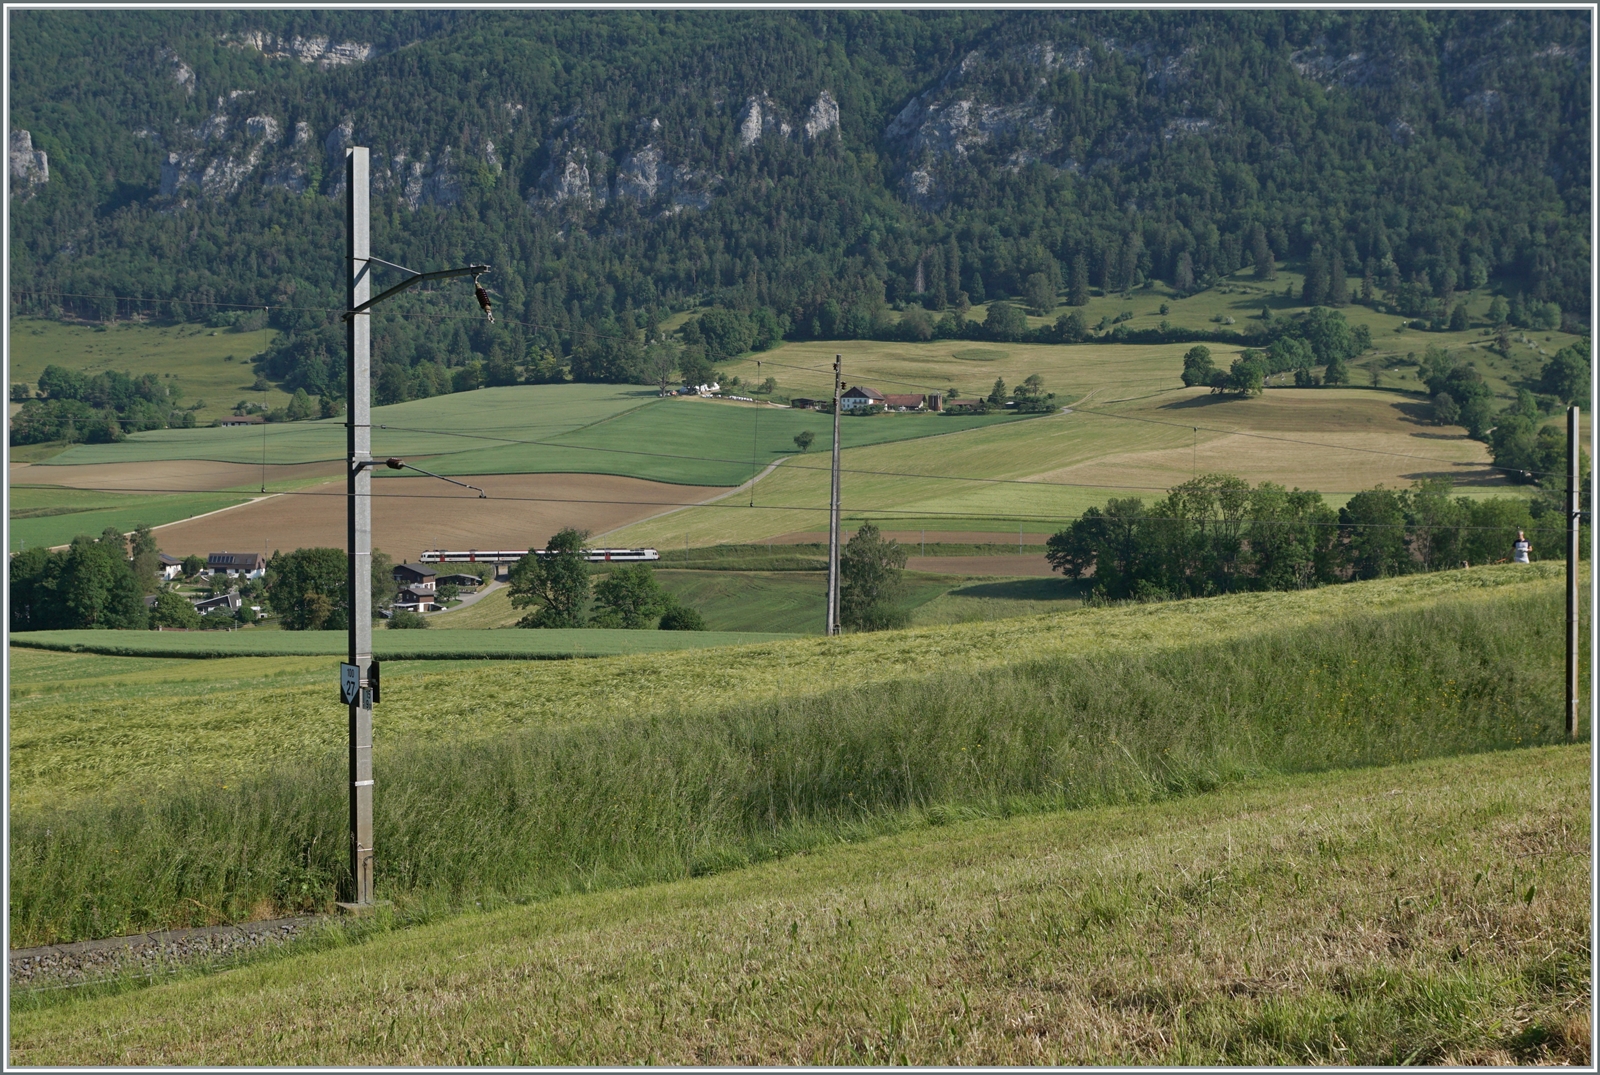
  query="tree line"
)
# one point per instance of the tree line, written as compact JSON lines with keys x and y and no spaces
{"x":1216,"y":534}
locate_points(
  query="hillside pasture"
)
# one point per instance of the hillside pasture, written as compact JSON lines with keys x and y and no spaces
{"x":1336,"y":441}
{"x":213,"y":365}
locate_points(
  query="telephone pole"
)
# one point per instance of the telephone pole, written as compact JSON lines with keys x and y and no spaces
{"x":1574,"y":531}
{"x":358,"y":679}
{"x":833,"y":508}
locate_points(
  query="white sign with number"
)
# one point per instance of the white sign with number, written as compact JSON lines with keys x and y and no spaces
{"x":349,"y":682}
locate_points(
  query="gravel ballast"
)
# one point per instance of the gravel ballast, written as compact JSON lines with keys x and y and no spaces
{"x":145,"y":953}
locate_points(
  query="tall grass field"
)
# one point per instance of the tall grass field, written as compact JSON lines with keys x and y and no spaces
{"x":676,"y":791}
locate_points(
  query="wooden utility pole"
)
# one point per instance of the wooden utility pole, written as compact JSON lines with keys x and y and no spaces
{"x":833,"y":507}
{"x":1574,"y":530}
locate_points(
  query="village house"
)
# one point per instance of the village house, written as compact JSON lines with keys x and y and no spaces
{"x":859,"y":399}
{"x":416,"y":599}
{"x":250,"y":565}
{"x":420,"y":576}
{"x":168,"y":567}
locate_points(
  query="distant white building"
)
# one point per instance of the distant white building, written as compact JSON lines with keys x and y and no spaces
{"x":250,"y":565}
{"x":859,"y":399}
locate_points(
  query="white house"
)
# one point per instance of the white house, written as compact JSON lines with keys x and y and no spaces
{"x":252,"y":565}
{"x":859,"y":399}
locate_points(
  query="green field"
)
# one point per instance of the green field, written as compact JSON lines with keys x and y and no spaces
{"x":994,"y":599}
{"x":197,"y":357}
{"x":52,"y":515}
{"x":1337,"y":441}
{"x":580,"y":429}
{"x":1432,"y":913}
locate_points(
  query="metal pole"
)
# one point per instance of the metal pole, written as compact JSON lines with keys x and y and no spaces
{"x":833,"y":508}
{"x":358,"y":426}
{"x":1574,"y":517}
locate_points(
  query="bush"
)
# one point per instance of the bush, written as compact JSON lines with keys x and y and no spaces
{"x":407,"y":621}
{"x":682,"y":618}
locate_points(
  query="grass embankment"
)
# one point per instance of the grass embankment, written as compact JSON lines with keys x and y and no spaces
{"x":87,"y":724}
{"x":1433,"y":913}
{"x":51,"y":515}
{"x":695,"y":788}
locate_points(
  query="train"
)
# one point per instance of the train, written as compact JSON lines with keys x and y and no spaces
{"x":507,"y":556}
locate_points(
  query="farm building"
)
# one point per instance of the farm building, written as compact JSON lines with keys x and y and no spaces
{"x":252,"y":565}
{"x":468,"y":583}
{"x":225,"y":603}
{"x":964,"y":404}
{"x":917,"y":402}
{"x":803,"y":403}
{"x":241,"y":420}
{"x":859,"y":399}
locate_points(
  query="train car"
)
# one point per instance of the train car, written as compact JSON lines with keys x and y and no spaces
{"x":507,"y":556}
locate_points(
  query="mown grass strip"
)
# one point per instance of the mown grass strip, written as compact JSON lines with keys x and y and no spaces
{"x":671,"y":793}
{"x":1435,"y":913}
{"x":388,"y":645}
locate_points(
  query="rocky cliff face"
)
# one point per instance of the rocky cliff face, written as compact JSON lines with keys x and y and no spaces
{"x":30,"y":168}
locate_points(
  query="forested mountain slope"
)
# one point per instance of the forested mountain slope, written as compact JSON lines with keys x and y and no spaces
{"x":805,"y":168}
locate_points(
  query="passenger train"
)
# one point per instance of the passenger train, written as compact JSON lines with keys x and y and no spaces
{"x":507,"y":556}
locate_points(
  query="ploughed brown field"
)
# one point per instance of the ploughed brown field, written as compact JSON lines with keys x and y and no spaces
{"x":413,"y":514}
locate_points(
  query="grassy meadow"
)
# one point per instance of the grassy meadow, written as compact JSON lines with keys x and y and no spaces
{"x":1431,"y":913}
{"x":211,"y":365}
{"x":598,"y":758}
{"x":52,"y":515}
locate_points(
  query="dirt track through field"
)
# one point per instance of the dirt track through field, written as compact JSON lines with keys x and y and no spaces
{"x":1032,"y":565}
{"x":413,"y":514}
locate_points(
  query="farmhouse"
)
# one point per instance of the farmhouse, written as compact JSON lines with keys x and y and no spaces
{"x":168,"y":567}
{"x":252,"y":565}
{"x":859,"y":399}
{"x":241,"y":420}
